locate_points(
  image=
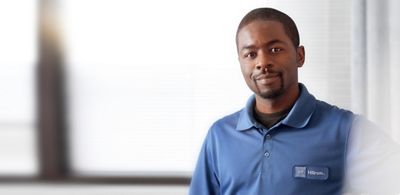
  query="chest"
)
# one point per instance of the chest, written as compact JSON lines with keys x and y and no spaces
{"x":284,"y":160}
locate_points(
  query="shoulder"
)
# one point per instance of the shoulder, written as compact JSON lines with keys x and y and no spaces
{"x":222,"y":130}
{"x":226,"y":123}
{"x":228,"y":119}
{"x":329,"y":110}
{"x":332,"y":117}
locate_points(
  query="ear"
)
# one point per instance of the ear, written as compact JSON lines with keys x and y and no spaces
{"x":300,"y":53}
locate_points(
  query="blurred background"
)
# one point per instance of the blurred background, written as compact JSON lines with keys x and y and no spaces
{"x":116,"y":96}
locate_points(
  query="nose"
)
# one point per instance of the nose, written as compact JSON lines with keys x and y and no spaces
{"x":263,"y":66}
{"x":263,"y":63}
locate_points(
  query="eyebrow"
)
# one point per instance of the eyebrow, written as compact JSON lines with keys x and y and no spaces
{"x":251,"y":46}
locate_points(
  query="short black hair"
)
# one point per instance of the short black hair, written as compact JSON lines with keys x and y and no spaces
{"x":270,"y":14}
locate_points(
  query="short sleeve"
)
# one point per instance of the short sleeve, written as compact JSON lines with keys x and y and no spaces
{"x":372,"y":160}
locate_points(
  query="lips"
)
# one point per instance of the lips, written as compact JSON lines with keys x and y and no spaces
{"x":268,"y":78}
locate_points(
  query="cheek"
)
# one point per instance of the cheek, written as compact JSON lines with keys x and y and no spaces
{"x":246,"y":69}
{"x":247,"y":72}
{"x":291,"y":72}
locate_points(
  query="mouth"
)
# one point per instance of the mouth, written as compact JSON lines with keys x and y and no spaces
{"x":267,"y":79}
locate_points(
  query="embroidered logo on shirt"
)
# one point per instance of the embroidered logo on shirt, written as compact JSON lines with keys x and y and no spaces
{"x":311,"y":172}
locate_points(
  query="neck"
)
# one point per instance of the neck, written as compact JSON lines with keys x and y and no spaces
{"x":280,"y":103}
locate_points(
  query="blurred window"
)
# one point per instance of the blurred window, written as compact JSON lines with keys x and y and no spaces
{"x":147,"y":79}
{"x":18,"y":52}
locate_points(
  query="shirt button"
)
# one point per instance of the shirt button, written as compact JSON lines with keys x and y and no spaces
{"x":268,"y":136}
{"x":267,"y":154}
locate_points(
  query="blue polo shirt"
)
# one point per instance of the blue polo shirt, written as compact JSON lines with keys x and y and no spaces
{"x":302,"y":154}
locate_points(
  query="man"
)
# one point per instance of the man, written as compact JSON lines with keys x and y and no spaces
{"x":284,"y":141}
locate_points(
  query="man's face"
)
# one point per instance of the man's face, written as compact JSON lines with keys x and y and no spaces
{"x":268,"y":58}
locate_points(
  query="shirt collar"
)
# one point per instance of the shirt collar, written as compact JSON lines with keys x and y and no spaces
{"x":298,"y":116}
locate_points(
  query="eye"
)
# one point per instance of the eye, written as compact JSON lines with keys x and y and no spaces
{"x":275,"y":50}
{"x":251,"y":55}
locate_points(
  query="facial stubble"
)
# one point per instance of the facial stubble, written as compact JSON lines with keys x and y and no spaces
{"x":271,"y":94}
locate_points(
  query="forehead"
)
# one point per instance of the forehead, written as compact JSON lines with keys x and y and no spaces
{"x":261,"y":32}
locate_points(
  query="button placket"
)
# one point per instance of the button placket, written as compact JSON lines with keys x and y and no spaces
{"x":267,"y":153}
{"x":267,"y":145}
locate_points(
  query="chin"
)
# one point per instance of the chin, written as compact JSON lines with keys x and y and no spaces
{"x":271,"y":91}
{"x":271,"y":94}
